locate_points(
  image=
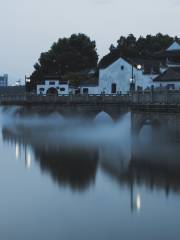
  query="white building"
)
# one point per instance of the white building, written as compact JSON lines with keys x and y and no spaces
{"x":120,"y":75}
{"x":170,"y":79}
{"x":124,"y":75}
{"x":4,"y":80}
{"x":53,"y":87}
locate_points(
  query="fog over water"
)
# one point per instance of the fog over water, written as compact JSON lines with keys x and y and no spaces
{"x":75,"y":131}
{"x":69,"y":178}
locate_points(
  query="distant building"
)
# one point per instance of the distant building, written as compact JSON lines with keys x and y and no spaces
{"x":169,"y":79}
{"x":4,"y":80}
{"x":53,"y":86}
{"x":171,"y":56}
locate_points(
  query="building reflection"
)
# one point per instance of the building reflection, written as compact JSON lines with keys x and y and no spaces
{"x":154,"y":168}
{"x":70,"y":166}
{"x":76,"y":166}
{"x":17,"y":151}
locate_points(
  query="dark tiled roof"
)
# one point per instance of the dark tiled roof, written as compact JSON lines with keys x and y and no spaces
{"x":143,"y":62}
{"x":167,"y":54}
{"x":170,"y":75}
{"x":52,"y":77}
{"x":55,"y":78}
{"x":89,"y":82}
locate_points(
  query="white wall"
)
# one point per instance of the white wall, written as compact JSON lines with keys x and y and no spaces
{"x":165,"y":84}
{"x":91,"y":89}
{"x":58,"y":86}
{"x":121,"y":77}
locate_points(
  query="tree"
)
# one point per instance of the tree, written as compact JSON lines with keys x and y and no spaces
{"x":67,"y":55}
{"x":130,"y":47}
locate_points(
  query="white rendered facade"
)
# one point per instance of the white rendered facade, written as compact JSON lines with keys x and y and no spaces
{"x":91,"y":90}
{"x":167,"y":84}
{"x":119,"y":74}
{"x":54,"y":86}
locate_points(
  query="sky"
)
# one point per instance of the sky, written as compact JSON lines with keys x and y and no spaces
{"x":29,"y":27}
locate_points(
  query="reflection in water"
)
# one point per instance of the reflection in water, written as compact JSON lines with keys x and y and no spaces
{"x":28,"y":158}
{"x":69,"y":166}
{"x":94,"y":174}
{"x":71,"y":152}
{"x":17,"y":151}
{"x":138,"y":202}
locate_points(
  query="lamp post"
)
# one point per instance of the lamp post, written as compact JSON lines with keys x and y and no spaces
{"x":132,"y":79}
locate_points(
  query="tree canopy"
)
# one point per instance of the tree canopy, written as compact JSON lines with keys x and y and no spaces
{"x":132,"y":47}
{"x":67,"y":55}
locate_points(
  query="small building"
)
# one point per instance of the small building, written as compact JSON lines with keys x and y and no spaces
{"x":171,"y":56}
{"x":169,"y":79}
{"x":53,"y":86}
{"x":89,"y":86}
{"x":4,"y":80}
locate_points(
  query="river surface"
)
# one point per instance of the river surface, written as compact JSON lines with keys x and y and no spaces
{"x":75,"y":179}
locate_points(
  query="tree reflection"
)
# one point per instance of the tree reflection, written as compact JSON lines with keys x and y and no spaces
{"x":67,"y":165}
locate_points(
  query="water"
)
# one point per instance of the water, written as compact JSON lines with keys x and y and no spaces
{"x":71,"y":179}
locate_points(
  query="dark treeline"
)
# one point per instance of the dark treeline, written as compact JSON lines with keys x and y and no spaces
{"x":132,"y":47}
{"x":66,"y":56}
{"x":69,"y":57}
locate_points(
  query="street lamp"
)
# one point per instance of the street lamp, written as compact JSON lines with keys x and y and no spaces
{"x":139,"y":67}
{"x":132,"y":79}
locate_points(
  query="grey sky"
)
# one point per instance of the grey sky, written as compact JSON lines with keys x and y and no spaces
{"x":29,"y":27}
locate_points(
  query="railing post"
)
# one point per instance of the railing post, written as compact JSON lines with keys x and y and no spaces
{"x":152,"y":94}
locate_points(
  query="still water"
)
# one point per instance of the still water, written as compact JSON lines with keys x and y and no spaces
{"x":72,"y":179}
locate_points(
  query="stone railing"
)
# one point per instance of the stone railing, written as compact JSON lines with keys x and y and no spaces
{"x":156,"y":97}
{"x":138,"y":98}
{"x":65,"y":99}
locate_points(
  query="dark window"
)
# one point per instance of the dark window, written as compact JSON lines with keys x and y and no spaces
{"x":62,"y":89}
{"x":77,"y":91}
{"x":41,"y":89}
{"x":85,"y":90}
{"x":122,"y":67}
{"x":113,"y":88}
{"x":171,"y":86}
{"x":51,"y":83}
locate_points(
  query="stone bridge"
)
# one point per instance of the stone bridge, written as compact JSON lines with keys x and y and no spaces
{"x":159,"y":101}
{"x":86,"y":106}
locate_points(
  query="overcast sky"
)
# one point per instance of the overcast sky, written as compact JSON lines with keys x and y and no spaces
{"x":29,"y":27}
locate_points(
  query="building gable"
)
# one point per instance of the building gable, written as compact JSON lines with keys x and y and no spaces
{"x":170,"y":75}
{"x":174,"y":47}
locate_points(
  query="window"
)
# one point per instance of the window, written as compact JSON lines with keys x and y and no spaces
{"x":85,"y":90}
{"x":113,"y":88}
{"x":62,"y":89}
{"x":51,"y":83}
{"x":77,"y":91}
{"x":122,"y":67}
{"x":41,"y":89}
{"x":171,"y":86}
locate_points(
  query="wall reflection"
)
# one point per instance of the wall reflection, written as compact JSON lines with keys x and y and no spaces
{"x":154,"y":163}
